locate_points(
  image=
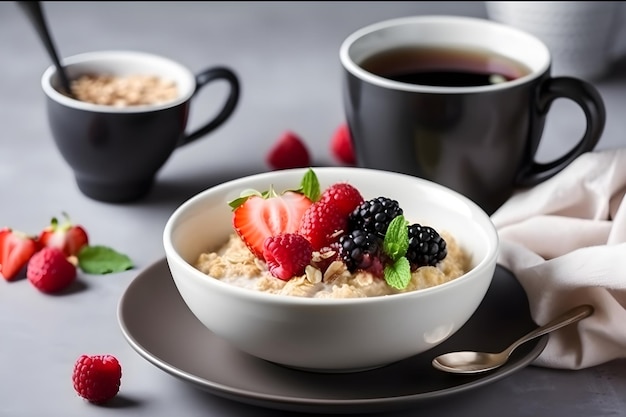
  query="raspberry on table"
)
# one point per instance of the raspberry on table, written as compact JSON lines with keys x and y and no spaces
{"x":374,"y":215}
{"x":50,"y":271}
{"x":289,"y":151}
{"x":97,"y":378}
{"x":426,"y":246}
{"x":287,"y":255}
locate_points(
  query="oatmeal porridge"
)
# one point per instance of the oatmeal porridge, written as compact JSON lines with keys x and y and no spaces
{"x":235,"y":264}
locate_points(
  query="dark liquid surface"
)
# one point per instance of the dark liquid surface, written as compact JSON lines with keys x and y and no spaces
{"x":444,"y":67}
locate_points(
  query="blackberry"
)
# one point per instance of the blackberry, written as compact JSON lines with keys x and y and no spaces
{"x":426,"y":246}
{"x":374,"y":215}
{"x":362,"y":250}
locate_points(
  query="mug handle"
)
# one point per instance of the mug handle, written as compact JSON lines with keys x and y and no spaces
{"x":203,"y":78}
{"x":590,"y":101}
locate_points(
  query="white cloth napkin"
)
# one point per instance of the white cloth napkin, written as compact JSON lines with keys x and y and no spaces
{"x":565,"y":241}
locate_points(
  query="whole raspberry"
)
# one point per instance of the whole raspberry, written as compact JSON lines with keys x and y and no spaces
{"x":97,"y":378}
{"x":346,"y":196}
{"x":287,"y":255}
{"x":50,"y":271}
{"x":322,"y":223}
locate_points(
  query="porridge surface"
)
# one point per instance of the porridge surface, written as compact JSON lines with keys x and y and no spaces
{"x":235,"y":264}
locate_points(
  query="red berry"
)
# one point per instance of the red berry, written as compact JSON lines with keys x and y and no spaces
{"x":16,"y":249}
{"x":341,"y":145}
{"x":67,"y":236}
{"x":323,"y":223}
{"x":260,"y":217}
{"x":346,"y":196}
{"x":288,"y":152}
{"x":97,"y":378}
{"x":287,"y":255}
{"x":327,"y":219}
{"x":50,"y":271}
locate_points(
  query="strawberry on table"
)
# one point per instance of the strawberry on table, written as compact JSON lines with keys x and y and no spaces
{"x":66,"y":236}
{"x":289,"y":151}
{"x":341,"y":145}
{"x":16,"y":249}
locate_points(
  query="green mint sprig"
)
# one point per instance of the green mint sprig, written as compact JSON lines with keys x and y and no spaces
{"x":395,"y":245}
{"x":309,"y":186}
{"x":243,"y":196}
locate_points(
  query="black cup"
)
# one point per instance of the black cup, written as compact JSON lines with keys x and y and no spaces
{"x":477,"y":135}
{"x":116,"y":152}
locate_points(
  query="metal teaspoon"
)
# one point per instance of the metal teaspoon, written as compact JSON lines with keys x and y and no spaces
{"x":35,"y":14}
{"x":469,"y":362}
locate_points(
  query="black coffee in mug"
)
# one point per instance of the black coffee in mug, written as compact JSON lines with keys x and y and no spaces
{"x":469,"y":110}
{"x":444,"y":67}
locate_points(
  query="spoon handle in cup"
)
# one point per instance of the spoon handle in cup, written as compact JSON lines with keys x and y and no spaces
{"x":35,"y":15}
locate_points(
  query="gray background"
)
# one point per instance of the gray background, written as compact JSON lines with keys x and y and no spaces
{"x":286,"y":55}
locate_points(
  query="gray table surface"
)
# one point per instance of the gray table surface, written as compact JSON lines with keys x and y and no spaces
{"x":286,"y":55}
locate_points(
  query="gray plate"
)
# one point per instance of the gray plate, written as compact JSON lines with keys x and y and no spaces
{"x":159,"y":326}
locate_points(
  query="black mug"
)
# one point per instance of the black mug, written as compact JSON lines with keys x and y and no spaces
{"x":115,"y":151}
{"x":459,"y":101}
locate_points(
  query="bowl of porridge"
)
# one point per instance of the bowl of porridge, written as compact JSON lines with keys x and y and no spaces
{"x":331,"y":269}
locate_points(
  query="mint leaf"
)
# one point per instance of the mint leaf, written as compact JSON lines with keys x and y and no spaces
{"x":396,"y":240}
{"x":100,"y":260}
{"x":310,"y":185}
{"x":398,"y":274}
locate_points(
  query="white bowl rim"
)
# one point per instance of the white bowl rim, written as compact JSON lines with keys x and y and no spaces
{"x":489,"y":260}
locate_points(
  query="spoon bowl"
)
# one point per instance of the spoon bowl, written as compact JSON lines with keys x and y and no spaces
{"x":470,"y":362}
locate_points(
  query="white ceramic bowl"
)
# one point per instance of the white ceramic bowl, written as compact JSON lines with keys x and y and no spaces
{"x":332,"y":335}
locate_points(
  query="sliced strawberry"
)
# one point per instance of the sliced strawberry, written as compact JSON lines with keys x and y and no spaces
{"x":264,"y":215}
{"x":67,"y":236}
{"x":289,"y":151}
{"x":16,"y":249}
